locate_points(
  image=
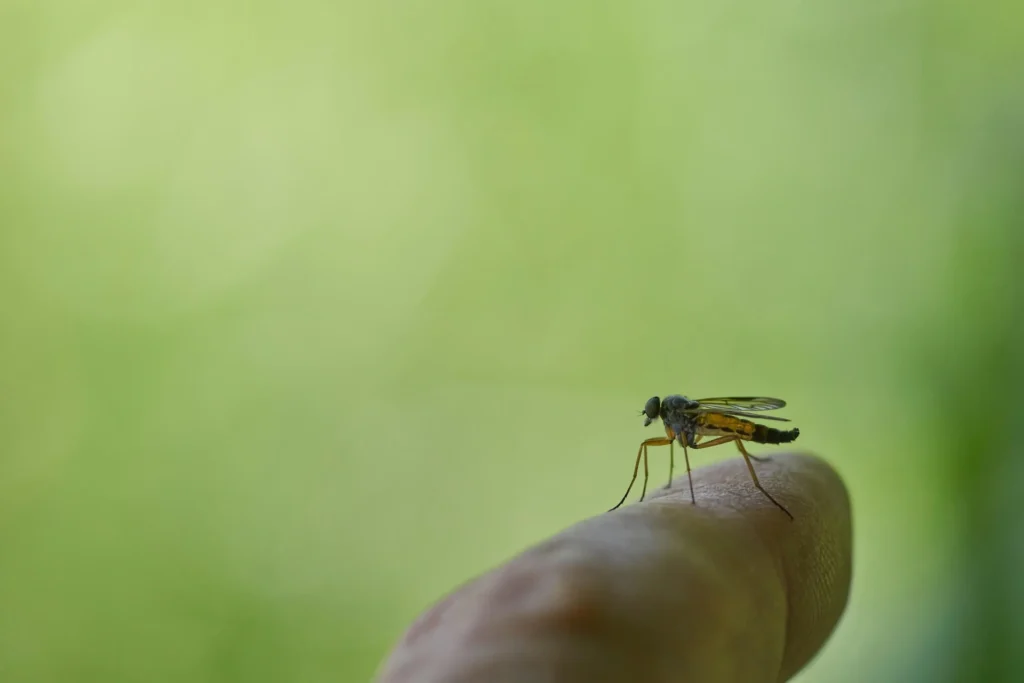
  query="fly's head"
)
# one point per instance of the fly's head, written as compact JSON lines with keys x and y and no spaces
{"x":652,"y":410}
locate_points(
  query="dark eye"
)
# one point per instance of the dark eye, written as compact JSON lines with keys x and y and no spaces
{"x":652,"y":407}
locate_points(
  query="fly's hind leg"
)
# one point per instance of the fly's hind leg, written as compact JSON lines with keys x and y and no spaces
{"x":656,"y":441}
{"x":750,"y":467}
{"x":753,"y":475}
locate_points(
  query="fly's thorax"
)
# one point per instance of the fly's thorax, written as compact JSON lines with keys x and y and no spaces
{"x":673,"y":409}
{"x":685,"y":429}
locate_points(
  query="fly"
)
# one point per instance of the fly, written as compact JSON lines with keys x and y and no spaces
{"x":688,"y":421}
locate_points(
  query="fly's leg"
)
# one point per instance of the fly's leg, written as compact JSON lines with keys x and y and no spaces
{"x":753,"y":475}
{"x":689,"y":475}
{"x":671,"y":462}
{"x":671,"y":459}
{"x":656,"y":441}
{"x":636,"y":467}
{"x":671,"y":454}
{"x":750,"y":467}
{"x":643,"y":491}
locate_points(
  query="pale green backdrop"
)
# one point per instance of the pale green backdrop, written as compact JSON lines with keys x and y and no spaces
{"x":311,"y":311}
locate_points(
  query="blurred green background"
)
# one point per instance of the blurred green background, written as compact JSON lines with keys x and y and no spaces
{"x":312,"y":311}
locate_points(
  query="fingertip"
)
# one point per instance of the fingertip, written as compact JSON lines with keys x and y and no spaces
{"x":816,"y":555}
{"x":813,"y":551}
{"x":725,"y":590}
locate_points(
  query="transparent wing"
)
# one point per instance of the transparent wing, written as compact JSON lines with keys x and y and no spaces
{"x":744,"y":403}
{"x":752,"y":416}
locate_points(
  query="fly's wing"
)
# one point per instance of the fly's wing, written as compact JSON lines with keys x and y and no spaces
{"x":743,"y":406}
{"x":752,"y":416}
{"x":743,"y":403}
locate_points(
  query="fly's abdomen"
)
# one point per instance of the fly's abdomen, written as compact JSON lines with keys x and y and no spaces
{"x":716,"y":424}
{"x":763,"y":434}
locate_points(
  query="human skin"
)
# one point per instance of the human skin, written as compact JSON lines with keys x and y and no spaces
{"x":729,"y":590}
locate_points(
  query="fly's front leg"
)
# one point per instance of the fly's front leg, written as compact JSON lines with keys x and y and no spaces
{"x":642,"y":452}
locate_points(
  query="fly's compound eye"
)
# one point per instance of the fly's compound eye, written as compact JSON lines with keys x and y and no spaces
{"x":651,"y":409}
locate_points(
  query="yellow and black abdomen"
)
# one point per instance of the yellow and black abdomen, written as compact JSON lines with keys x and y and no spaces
{"x":763,"y":434}
{"x":716,"y":424}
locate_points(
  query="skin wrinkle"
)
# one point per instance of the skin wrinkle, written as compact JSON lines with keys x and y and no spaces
{"x":727,"y":590}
